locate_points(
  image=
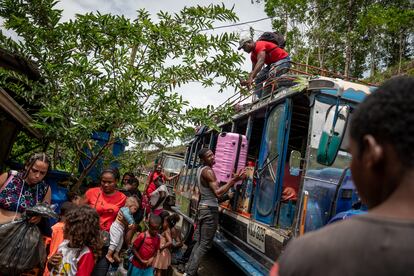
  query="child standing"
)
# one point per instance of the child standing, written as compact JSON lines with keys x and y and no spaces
{"x":163,"y":259}
{"x":144,"y":249}
{"x":177,"y":242}
{"x":77,"y":253}
{"x":57,"y":231}
{"x":117,"y":229}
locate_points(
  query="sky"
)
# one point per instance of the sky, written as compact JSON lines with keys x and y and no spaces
{"x":197,"y":95}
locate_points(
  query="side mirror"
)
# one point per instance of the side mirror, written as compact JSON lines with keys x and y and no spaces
{"x":332,"y":134}
{"x":294,"y":163}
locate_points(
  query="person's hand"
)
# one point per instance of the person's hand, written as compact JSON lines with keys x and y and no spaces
{"x":241,"y":175}
{"x":121,"y":218}
{"x":247,"y":83}
{"x":149,"y":261}
{"x":35,"y":219}
{"x":131,"y":226}
{"x":55,"y":260}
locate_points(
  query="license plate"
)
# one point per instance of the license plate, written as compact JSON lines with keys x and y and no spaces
{"x":256,"y":236}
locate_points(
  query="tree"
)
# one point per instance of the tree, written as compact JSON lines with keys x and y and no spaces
{"x":346,"y":36}
{"x":104,"y":72}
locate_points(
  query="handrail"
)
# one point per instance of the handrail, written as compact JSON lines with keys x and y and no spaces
{"x":273,"y":82}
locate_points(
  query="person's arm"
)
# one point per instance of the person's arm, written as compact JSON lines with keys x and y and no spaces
{"x":177,"y":238}
{"x":210,"y":177}
{"x":225,"y":197}
{"x":150,"y":176}
{"x":54,"y":261}
{"x":48,"y":196}
{"x":169,"y":178}
{"x":86,"y":265}
{"x":161,"y":198}
{"x":257,"y":67}
{"x":3,"y":179}
{"x":168,"y":240}
{"x":127,"y":215}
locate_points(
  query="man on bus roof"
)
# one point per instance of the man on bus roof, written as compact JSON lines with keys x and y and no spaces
{"x":380,"y":242}
{"x":207,"y":216}
{"x":263,"y":52}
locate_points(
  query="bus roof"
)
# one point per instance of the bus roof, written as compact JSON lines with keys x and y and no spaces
{"x":347,"y":90}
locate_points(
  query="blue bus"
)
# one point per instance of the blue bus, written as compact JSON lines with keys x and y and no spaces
{"x":299,"y":168}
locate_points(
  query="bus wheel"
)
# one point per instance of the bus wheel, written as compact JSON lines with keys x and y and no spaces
{"x":187,"y":231}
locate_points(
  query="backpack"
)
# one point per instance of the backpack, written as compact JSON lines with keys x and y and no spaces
{"x":130,"y":255}
{"x":273,"y":37}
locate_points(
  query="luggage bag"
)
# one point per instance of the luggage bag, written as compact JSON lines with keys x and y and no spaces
{"x":230,"y":156}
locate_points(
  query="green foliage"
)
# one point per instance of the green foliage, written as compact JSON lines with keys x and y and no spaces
{"x":376,"y":33}
{"x":103,"y":72}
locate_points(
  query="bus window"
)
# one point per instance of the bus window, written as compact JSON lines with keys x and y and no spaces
{"x":321,"y":181}
{"x":265,"y":198}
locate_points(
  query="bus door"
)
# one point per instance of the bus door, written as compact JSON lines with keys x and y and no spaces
{"x":272,"y":153}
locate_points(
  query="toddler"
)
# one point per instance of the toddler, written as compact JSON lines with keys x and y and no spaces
{"x":117,"y":229}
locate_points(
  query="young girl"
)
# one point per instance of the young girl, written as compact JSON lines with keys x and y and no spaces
{"x":76,"y":255}
{"x":57,"y":231}
{"x":163,"y":259}
{"x":177,"y":242}
{"x":117,"y":230}
{"x":145,"y":247}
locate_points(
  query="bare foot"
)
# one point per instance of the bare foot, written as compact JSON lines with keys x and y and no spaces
{"x":116,"y":257}
{"x":109,"y":258}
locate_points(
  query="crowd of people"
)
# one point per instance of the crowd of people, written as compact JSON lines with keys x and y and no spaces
{"x":96,"y":227}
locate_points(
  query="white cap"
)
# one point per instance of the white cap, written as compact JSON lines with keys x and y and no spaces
{"x":243,"y":40}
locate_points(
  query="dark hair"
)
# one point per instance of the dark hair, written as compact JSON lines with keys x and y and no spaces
{"x":130,"y":174}
{"x":82,"y":229}
{"x":40,"y":156}
{"x":72,"y":195}
{"x":173,"y":219}
{"x":202,"y":153}
{"x":154,"y":219}
{"x":133,"y":181}
{"x":163,"y":215}
{"x":113,"y":171}
{"x":66,"y":207}
{"x":388,"y":115}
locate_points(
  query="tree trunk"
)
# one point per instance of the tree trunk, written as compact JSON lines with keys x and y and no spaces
{"x":320,"y":55}
{"x":401,"y":43}
{"x":55,"y":156}
{"x":286,"y":25}
{"x":133,"y":55}
{"x":92,"y":162}
{"x":307,"y":59}
{"x":348,"y":43}
{"x":372,"y":65}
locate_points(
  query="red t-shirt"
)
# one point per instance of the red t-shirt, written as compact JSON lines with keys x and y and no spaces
{"x":75,"y":261}
{"x":107,"y":206}
{"x":272,"y":56}
{"x":152,"y":187}
{"x":148,"y":249}
{"x":86,"y":265}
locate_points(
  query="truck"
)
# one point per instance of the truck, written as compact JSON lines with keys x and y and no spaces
{"x":297,"y":138}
